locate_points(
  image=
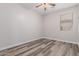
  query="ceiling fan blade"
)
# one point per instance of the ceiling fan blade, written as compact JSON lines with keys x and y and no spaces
{"x":38,"y":5}
{"x":52,"y":4}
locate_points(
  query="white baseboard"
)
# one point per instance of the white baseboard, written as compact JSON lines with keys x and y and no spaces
{"x":36,"y":39}
{"x":61,"y":40}
{"x":17,"y":44}
{"x":11,"y":46}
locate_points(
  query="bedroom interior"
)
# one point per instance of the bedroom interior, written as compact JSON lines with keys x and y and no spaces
{"x":39,"y":29}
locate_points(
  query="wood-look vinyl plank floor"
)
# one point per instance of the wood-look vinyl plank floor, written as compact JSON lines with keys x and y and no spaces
{"x":43,"y":47}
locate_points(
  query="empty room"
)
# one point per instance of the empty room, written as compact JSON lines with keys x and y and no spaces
{"x":39,"y":29}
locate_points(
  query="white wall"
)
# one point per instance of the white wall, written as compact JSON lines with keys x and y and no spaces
{"x":52,"y":26}
{"x":18,"y":25}
{"x":78,"y":22}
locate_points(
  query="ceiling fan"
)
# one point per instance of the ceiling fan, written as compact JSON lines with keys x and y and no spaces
{"x":45,"y":5}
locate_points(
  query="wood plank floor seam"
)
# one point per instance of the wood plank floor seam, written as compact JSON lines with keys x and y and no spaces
{"x":43,"y":47}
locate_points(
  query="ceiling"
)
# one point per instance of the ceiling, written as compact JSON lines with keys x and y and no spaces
{"x":58,"y":6}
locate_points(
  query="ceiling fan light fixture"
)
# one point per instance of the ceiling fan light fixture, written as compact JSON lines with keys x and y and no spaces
{"x":46,"y":5}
